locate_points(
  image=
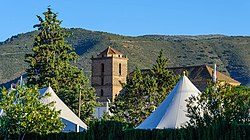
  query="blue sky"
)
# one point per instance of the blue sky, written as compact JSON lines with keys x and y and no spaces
{"x":132,"y":17}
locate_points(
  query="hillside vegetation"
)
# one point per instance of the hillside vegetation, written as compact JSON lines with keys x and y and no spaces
{"x":230,"y":53}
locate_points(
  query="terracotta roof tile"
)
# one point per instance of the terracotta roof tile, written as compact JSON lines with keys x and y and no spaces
{"x":221,"y":77}
{"x":199,"y":75}
{"x":109,"y":50}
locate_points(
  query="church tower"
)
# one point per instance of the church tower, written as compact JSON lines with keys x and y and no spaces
{"x":109,"y":69}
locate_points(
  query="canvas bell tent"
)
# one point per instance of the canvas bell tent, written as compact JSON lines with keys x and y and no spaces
{"x":172,"y":111}
{"x":72,"y":122}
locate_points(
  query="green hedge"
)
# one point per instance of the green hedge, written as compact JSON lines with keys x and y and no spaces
{"x":111,"y":130}
{"x":106,"y":130}
{"x":223,"y":132}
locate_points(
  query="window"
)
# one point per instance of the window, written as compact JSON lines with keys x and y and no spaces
{"x":102,"y":93}
{"x":102,"y":81}
{"x":120,"y":69}
{"x":102,"y":67}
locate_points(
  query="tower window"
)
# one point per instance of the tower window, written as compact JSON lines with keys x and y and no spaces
{"x":102,"y":81}
{"x":120,"y":69}
{"x":102,"y":67}
{"x":102,"y":93}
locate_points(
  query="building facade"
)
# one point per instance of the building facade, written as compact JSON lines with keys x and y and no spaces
{"x":109,"y":70}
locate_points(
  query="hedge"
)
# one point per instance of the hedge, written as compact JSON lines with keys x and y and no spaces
{"x":111,"y":130}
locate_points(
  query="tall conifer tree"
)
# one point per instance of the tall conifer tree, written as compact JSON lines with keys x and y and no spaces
{"x":165,"y":78}
{"x":50,"y":64}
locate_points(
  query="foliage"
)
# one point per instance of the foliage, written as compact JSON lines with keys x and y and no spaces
{"x":136,"y":102}
{"x":143,"y":93}
{"x":51,"y":54}
{"x":50,"y":64}
{"x":106,"y":130}
{"x":23,"y":113}
{"x":116,"y":130}
{"x":165,"y":78}
{"x":220,"y":102}
{"x":219,"y":132}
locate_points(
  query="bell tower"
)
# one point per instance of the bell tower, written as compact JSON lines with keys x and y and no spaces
{"x":109,"y":69}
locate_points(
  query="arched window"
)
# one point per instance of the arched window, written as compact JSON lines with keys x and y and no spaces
{"x":102,"y":81}
{"x":120,"y":69}
{"x":102,"y":67}
{"x":102,"y":93}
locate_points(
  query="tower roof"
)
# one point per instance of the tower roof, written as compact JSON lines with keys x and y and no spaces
{"x":109,"y":51}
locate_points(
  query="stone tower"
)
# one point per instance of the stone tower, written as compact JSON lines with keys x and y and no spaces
{"x":109,"y":69}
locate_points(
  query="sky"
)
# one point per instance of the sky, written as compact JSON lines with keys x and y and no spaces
{"x":131,"y":17}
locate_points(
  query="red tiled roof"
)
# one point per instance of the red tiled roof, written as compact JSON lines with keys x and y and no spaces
{"x":109,"y":50}
{"x":199,"y":75}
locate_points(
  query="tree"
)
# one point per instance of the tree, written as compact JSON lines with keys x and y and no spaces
{"x":144,"y":92}
{"x":23,"y":113}
{"x":137,"y":101}
{"x":50,"y":64}
{"x":165,"y":79}
{"x":220,"y":103}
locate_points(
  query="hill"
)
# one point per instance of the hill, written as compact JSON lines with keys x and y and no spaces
{"x":230,"y":53}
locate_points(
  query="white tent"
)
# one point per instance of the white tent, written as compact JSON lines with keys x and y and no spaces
{"x":73,"y":123}
{"x":172,"y":111}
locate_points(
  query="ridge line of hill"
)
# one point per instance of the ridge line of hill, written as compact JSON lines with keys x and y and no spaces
{"x":230,"y":53}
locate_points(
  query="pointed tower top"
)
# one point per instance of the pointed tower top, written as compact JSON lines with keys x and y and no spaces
{"x":109,"y":51}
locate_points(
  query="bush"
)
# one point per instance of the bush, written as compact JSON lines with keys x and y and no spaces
{"x":111,"y":130}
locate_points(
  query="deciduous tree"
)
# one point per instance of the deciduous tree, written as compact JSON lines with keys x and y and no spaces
{"x":23,"y":113}
{"x":220,"y":103}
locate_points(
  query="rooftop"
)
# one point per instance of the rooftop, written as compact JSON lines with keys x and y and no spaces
{"x":109,"y":51}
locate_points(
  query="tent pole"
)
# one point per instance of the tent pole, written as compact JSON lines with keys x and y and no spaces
{"x":79,"y":111}
{"x":79,"y":107}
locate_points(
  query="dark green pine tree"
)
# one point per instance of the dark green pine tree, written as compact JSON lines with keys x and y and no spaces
{"x":50,"y":64}
{"x":165,"y":78}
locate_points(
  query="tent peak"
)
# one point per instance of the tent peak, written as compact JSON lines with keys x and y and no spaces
{"x":172,"y":111}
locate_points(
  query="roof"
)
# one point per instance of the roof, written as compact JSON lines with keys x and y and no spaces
{"x":203,"y":72}
{"x":200,"y":75}
{"x":171,"y":113}
{"x":65,"y":113}
{"x":109,"y":51}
